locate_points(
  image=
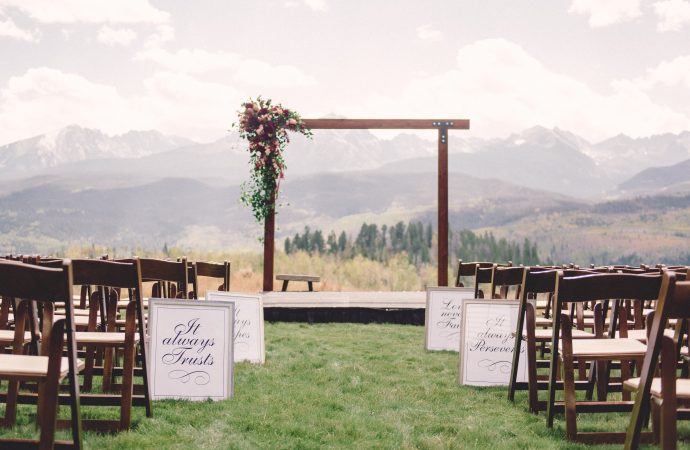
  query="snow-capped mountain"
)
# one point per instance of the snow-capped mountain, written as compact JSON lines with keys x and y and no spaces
{"x":548,"y":159}
{"x":74,"y":143}
{"x":627,"y":156}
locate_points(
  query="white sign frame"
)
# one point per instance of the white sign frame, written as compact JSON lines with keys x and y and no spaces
{"x":443,"y":317}
{"x":170,"y":321}
{"x":494,"y":323}
{"x":249,"y":317}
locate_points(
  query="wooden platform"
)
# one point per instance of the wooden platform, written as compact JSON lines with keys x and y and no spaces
{"x":360,"y":307}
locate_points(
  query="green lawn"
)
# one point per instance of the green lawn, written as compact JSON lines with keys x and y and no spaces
{"x":346,"y":386}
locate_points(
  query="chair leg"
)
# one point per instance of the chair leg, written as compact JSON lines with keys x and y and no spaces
{"x":591,"y":380}
{"x":519,"y":345}
{"x":668,"y":424}
{"x":602,"y":380}
{"x":570,"y":401}
{"x":532,"y":377}
{"x":625,"y":374}
{"x":669,"y":400}
{"x":108,"y":369}
{"x":40,"y":404}
{"x":127,"y":387}
{"x":11,"y":406}
{"x":531,"y":343}
{"x":581,"y":369}
{"x":88,"y":367}
{"x":656,"y":420}
{"x":48,"y":412}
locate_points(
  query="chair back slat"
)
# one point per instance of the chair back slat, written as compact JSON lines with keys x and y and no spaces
{"x":214,"y":270}
{"x":678,"y":303}
{"x":483,"y":275}
{"x":508,"y":276}
{"x":219,"y":271}
{"x":160,"y":270}
{"x":32,"y":282}
{"x":540,"y":282}
{"x":105,"y":273}
{"x":504,"y":278}
{"x":608,"y":286}
{"x":175,"y":273}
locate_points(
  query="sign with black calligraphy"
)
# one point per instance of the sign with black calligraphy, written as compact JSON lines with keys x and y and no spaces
{"x":191,"y":350}
{"x":443,"y":318}
{"x":249,"y":325}
{"x":487,"y":342}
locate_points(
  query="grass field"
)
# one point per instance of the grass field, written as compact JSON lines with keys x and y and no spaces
{"x":346,"y":386}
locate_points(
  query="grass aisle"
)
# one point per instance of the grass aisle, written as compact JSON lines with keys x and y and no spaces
{"x":347,"y":386}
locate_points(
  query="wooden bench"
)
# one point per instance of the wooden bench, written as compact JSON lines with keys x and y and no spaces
{"x":286,"y":278}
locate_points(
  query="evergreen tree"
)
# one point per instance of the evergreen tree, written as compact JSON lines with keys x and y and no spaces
{"x":342,"y":242}
{"x":332,"y":243}
{"x":318,"y":243}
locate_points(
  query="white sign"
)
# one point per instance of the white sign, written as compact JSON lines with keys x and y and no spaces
{"x":191,"y":349}
{"x":443,"y":318}
{"x":487,"y":342}
{"x":249,"y":325}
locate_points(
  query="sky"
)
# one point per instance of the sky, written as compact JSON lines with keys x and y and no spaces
{"x":596,"y":68}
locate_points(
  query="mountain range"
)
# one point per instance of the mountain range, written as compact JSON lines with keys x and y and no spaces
{"x":77,"y":186}
{"x":552,"y":160}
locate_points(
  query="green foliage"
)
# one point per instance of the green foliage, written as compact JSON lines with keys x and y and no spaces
{"x":264,"y":125}
{"x":372,"y":242}
{"x":415,"y":240}
{"x":470,"y":246}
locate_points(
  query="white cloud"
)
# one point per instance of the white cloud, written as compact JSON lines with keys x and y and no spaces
{"x":46,"y":98}
{"x":10,"y":29}
{"x":116,"y":36}
{"x":502,"y":89}
{"x":426,"y":33}
{"x":667,"y":74}
{"x":606,"y":12}
{"x":183,"y":105}
{"x":163,"y":33}
{"x":260,"y":73}
{"x":189,"y":60}
{"x":318,"y":5}
{"x":89,"y":11}
{"x":672,"y":14}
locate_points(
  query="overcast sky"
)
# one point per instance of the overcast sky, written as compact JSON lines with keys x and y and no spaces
{"x":594,"y":67}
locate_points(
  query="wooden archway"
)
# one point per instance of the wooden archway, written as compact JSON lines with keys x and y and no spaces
{"x":442,"y":125}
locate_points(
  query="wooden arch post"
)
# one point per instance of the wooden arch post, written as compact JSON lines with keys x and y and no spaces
{"x":385,"y":124}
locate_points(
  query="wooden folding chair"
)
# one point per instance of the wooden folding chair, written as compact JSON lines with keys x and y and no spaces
{"x":533,"y":283}
{"x":46,"y":286}
{"x":108,"y":276}
{"x":590,"y":288}
{"x":531,"y":331}
{"x":665,"y":392}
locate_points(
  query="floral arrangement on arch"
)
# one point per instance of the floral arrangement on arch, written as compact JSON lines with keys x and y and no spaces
{"x":265,"y":126}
